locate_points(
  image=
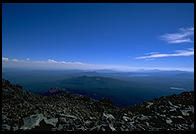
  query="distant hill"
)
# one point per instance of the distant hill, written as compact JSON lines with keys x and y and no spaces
{"x":53,"y":91}
{"x":124,"y":88}
{"x":93,"y":82}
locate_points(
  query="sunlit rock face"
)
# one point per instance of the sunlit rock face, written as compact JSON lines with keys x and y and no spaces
{"x":23,"y":111}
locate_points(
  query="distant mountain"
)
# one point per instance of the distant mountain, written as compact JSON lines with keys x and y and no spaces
{"x":53,"y":91}
{"x":124,"y":88}
{"x":89,"y":73}
{"x":107,"y":71}
{"x":92,"y":82}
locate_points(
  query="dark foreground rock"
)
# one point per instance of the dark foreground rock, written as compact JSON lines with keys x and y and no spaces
{"x":24,"y":111}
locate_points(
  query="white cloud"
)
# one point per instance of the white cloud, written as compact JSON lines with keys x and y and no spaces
{"x":189,"y":52}
{"x":79,"y":63}
{"x":27,"y":59}
{"x":51,"y":61}
{"x":63,"y":62}
{"x":15,"y":60}
{"x":153,"y":53}
{"x":177,"y":88}
{"x":183,"y":36}
{"x":188,"y":40}
{"x":11,"y":60}
{"x":52,"y":64}
{"x":4,"y":59}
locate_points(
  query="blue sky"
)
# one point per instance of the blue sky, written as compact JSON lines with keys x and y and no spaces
{"x":99,"y":35}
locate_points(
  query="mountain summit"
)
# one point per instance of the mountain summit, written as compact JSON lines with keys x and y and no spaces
{"x":23,"y":111}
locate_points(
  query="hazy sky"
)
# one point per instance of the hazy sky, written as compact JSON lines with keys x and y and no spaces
{"x":119,"y":35}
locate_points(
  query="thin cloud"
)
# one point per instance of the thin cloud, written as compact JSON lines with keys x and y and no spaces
{"x":64,"y":62}
{"x":4,"y":59}
{"x":183,"y":36}
{"x":15,"y":60}
{"x":51,"y":61}
{"x":11,"y":60}
{"x":189,"y":52}
{"x":152,"y":53}
{"x":53,"y":64}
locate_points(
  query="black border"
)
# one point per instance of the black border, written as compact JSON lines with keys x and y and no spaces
{"x":97,"y":1}
{"x":94,"y":1}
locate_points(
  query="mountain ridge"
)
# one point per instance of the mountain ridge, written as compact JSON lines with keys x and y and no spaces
{"x":22,"y":111}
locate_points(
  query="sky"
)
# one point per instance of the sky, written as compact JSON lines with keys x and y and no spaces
{"x":122,"y":36}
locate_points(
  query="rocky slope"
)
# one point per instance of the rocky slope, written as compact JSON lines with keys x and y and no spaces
{"x":68,"y":112}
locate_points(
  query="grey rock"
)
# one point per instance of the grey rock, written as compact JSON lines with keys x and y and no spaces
{"x":168,"y":121}
{"x":111,"y":127}
{"x":15,"y":128}
{"x":88,"y":123}
{"x":125,"y":118}
{"x":62,"y":120}
{"x":177,"y":117}
{"x":179,"y":126}
{"x":70,"y":121}
{"x":123,"y":126}
{"x":4,"y":117}
{"x":147,"y":124}
{"x":102,"y":128}
{"x":90,"y":118}
{"x":191,"y":108}
{"x":5,"y":127}
{"x":81,"y":128}
{"x":140,"y":126}
{"x":77,"y":121}
{"x":53,"y":129}
{"x":149,"y":104}
{"x":60,"y":127}
{"x":185,"y":112}
{"x":143,"y":117}
{"x":52,"y":121}
{"x":180,"y":117}
{"x":69,"y":116}
{"x":155,"y":129}
{"x":172,"y":104}
{"x":131,"y":126}
{"x":162,"y":115}
{"x":109,"y":116}
{"x":105,"y":124}
{"x":122,"y":129}
{"x":74,"y":114}
{"x":192,"y":126}
{"x":32,"y":121}
{"x":98,"y":127}
{"x":135,"y":117}
{"x":172,"y":109}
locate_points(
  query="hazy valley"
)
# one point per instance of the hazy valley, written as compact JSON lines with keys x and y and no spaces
{"x":123,"y":88}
